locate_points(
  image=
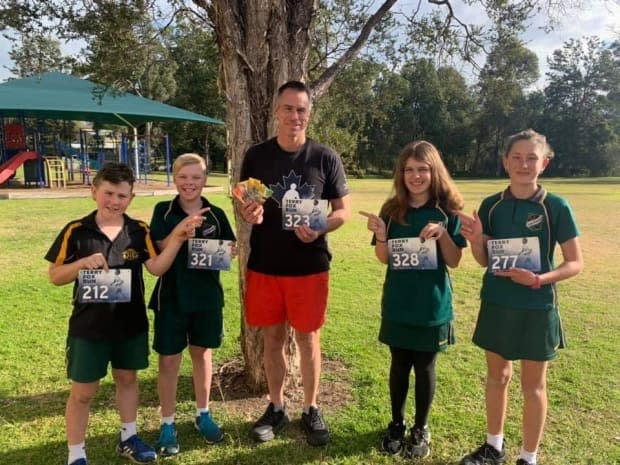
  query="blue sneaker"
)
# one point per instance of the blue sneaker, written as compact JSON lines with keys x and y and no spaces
{"x":81,"y":461}
{"x":168,"y":444}
{"x":208,"y":428}
{"x":136,"y":450}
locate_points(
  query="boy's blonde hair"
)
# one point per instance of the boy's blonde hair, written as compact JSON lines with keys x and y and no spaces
{"x":188,"y":159}
{"x":531,"y":135}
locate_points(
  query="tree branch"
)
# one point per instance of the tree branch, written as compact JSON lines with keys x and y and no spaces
{"x":320,"y":86}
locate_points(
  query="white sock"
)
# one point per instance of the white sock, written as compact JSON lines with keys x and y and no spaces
{"x":278,"y":408}
{"x":168,"y":420}
{"x":200,"y":410}
{"x":529,"y":457}
{"x":128,"y":430}
{"x":76,"y":451}
{"x":496,"y":440}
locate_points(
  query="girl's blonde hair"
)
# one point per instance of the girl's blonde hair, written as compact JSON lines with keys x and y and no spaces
{"x":442,"y":189}
{"x":531,"y":135}
{"x":188,"y":159}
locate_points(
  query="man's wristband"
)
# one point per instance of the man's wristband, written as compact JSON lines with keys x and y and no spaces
{"x":536,"y":284}
{"x":380,"y":241}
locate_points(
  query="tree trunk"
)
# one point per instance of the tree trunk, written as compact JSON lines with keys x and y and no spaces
{"x":262,"y":44}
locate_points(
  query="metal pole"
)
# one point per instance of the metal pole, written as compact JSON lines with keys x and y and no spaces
{"x":135,"y":153}
{"x":167,"y":145}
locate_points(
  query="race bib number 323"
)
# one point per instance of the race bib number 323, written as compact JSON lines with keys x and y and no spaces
{"x":411,"y":253}
{"x":300,"y":212}
{"x":99,"y":286}
{"x":518,"y":252}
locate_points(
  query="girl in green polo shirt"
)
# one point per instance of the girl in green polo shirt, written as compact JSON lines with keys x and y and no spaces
{"x":514,"y":234}
{"x":417,"y":236}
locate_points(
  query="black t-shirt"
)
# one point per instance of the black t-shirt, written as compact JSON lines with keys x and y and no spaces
{"x":315,"y":172}
{"x":132,"y":247}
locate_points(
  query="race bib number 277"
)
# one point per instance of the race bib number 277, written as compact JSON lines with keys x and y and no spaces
{"x":518,"y":252}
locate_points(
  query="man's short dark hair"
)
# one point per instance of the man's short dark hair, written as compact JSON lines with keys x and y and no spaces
{"x":294,"y":85}
{"x":114,"y":173}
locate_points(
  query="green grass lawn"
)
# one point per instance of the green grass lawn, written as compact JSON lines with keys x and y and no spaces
{"x":584,"y":382}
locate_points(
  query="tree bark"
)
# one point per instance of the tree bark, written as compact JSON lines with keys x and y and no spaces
{"x":262,"y":44}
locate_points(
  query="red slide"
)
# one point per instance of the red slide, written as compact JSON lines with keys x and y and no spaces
{"x":8,"y":168}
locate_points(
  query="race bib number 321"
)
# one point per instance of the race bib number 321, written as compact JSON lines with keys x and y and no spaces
{"x":209,"y":254}
{"x":519,"y":252}
{"x":99,"y":286}
{"x":411,"y":253}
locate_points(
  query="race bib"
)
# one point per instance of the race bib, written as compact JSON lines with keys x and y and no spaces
{"x":309,"y":212}
{"x":100,"y":286}
{"x":412,"y":253}
{"x":519,"y":252}
{"x":209,"y":254}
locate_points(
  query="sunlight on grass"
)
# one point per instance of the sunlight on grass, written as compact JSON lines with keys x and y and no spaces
{"x":584,"y":394}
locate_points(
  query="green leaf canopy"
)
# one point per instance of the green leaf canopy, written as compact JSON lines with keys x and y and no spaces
{"x":59,"y":96}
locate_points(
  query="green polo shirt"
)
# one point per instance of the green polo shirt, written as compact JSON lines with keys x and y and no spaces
{"x":420,"y":297}
{"x":544,"y":215}
{"x":181,"y":288}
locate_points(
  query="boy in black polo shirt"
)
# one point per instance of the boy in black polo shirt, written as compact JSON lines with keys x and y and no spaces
{"x":108,"y":323}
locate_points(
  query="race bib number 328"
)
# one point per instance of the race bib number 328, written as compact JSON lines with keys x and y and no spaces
{"x":411,"y":253}
{"x":99,"y":286}
{"x":518,"y":252}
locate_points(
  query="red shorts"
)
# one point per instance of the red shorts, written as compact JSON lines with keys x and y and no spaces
{"x":300,"y":300}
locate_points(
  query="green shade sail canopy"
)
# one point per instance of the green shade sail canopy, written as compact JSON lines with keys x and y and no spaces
{"x":59,"y":96}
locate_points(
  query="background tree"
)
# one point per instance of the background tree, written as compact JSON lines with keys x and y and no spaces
{"x":510,"y":68}
{"x":36,"y":54}
{"x":194,"y":50}
{"x":580,"y":96}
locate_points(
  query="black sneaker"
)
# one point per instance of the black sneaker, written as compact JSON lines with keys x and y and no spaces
{"x":523,"y":462}
{"x":420,"y":442}
{"x":393,"y":440}
{"x":317,"y":433}
{"x":270,"y":424}
{"x":486,"y":454}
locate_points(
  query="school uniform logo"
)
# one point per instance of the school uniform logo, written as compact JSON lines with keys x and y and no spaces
{"x":535,"y":221}
{"x":130,"y":254}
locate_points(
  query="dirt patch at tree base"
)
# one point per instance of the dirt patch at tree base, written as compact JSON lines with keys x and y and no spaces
{"x":229,"y":387}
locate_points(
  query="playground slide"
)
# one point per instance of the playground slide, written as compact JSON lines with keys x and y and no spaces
{"x":8,"y":168}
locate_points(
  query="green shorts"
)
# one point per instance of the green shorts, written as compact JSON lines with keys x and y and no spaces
{"x":87,"y":360}
{"x":174,"y":330}
{"x":422,"y":338}
{"x":519,"y":334}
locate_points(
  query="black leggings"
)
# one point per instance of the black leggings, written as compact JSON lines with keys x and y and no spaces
{"x":424,"y":367}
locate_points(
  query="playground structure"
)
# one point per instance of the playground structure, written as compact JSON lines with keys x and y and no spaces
{"x":50,"y":162}
{"x":54,"y":163}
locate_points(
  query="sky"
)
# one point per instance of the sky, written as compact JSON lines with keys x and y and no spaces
{"x":600,"y":18}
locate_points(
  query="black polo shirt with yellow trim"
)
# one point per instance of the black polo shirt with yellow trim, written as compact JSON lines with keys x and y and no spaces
{"x":130,"y":249}
{"x":182,"y":288}
{"x":545,"y":216}
{"x":420,"y":297}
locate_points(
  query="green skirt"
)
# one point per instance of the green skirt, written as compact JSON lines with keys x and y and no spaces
{"x":519,"y":334}
{"x":422,"y":338}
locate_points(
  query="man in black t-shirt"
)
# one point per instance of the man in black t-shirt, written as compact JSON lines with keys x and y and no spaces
{"x":287,"y":276}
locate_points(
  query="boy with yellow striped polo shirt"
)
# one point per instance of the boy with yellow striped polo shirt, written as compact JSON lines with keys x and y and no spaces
{"x":102,"y":254}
